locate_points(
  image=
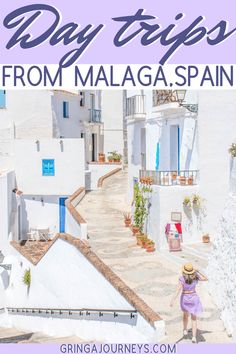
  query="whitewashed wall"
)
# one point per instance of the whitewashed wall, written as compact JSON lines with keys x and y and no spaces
{"x":30,"y":113}
{"x":134,"y":152}
{"x":69,"y":166}
{"x":112,"y":117}
{"x":222,"y":266}
{"x":163,"y":201}
{"x":8,"y":210}
{"x":217,"y":130}
{"x":99,"y":170}
{"x":75,"y":288}
{"x":71,"y":127}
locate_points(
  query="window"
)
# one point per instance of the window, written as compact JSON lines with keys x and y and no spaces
{"x":82,"y":98}
{"x":65,"y":109}
{"x":2,"y":99}
{"x":48,"y":167}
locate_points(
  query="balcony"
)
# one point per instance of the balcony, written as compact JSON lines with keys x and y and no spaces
{"x":135,"y":106}
{"x":95,"y":116}
{"x":171,"y":178}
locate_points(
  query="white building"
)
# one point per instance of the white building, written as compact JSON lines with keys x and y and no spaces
{"x":177,"y":143}
{"x":113,"y":118}
{"x":49,"y":144}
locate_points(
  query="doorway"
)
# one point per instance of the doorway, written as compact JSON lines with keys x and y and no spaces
{"x":62,"y":215}
{"x":94,"y":147}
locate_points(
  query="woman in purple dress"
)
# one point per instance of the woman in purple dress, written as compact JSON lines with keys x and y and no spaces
{"x":189,"y":300}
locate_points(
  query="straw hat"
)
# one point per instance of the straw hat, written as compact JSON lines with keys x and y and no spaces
{"x":188,"y":269}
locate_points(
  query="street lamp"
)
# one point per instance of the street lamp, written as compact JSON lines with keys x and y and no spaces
{"x":180,"y":95}
{"x":192,"y":107}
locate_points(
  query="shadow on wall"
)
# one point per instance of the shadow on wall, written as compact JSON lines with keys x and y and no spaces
{"x":136,"y":144}
{"x":40,"y":212}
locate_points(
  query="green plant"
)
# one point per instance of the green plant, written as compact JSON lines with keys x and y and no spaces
{"x":187,"y":202}
{"x":196,"y":200}
{"x":232,"y":150}
{"x":114,"y":156}
{"x":127,"y":216}
{"x":140,"y":201}
{"x":27,"y":277}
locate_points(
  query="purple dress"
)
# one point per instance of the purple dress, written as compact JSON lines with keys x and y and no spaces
{"x":190,"y":302}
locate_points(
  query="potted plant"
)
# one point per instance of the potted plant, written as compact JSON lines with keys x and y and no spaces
{"x":190,"y":181}
{"x":232,"y":150}
{"x":149,"y":181}
{"x":139,"y":238}
{"x":27,"y":278}
{"x":135,"y":229}
{"x":144,"y":240}
{"x":187,"y":202}
{"x":140,"y":202}
{"x":206,"y":238}
{"x":101,"y":157}
{"x":182,"y":180}
{"x":174,"y":175}
{"x":113,"y":156}
{"x":150,"y":246}
{"x":127,"y":219}
{"x":196,"y":200}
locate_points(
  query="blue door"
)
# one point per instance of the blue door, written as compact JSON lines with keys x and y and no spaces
{"x":62,"y":214}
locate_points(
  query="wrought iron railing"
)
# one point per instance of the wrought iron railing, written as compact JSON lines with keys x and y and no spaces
{"x":171,"y":178}
{"x":95,"y":115}
{"x":135,"y":105}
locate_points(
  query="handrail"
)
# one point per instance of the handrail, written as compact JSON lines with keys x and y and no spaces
{"x":76,"y":215}
{"x":69,"y":310}
{"x":101,"y":179}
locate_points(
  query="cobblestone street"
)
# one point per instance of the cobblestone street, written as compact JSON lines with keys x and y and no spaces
{"x":153,"y":276}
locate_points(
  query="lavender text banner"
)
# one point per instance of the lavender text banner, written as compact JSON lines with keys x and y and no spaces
{"x":72,"y":32}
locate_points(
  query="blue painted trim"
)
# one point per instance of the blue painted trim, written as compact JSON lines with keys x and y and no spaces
{"x":178,"y":149}
{"x":62,"y":215}
{"x":48,"y":167}
{"x":157,"y":156}
{"x":2,"y":99}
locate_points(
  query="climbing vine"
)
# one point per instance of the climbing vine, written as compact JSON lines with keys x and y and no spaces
{"x":140,"y":202}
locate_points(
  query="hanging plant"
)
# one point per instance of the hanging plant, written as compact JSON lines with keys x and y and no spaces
{"x":232,"y":150}
{"x":196,"y":200}
{"x":187,"y":202}
{"x":27,"y":278}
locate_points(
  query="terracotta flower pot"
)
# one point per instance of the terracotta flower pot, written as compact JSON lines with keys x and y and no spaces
{"x":206,"y":239}
{"x":127,"y":222}
{"x":139,"y":240}
{"x":174,"y":176}
{"x":190,"y":181}
{"x":150,"y":249}
{"x":182,"y":181}
{"x":135,"y":230}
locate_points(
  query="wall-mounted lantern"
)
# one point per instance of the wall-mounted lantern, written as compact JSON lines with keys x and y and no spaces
{"x":191,"y":107}
{"x":37,"y":145}
{"x":61,"y":145}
